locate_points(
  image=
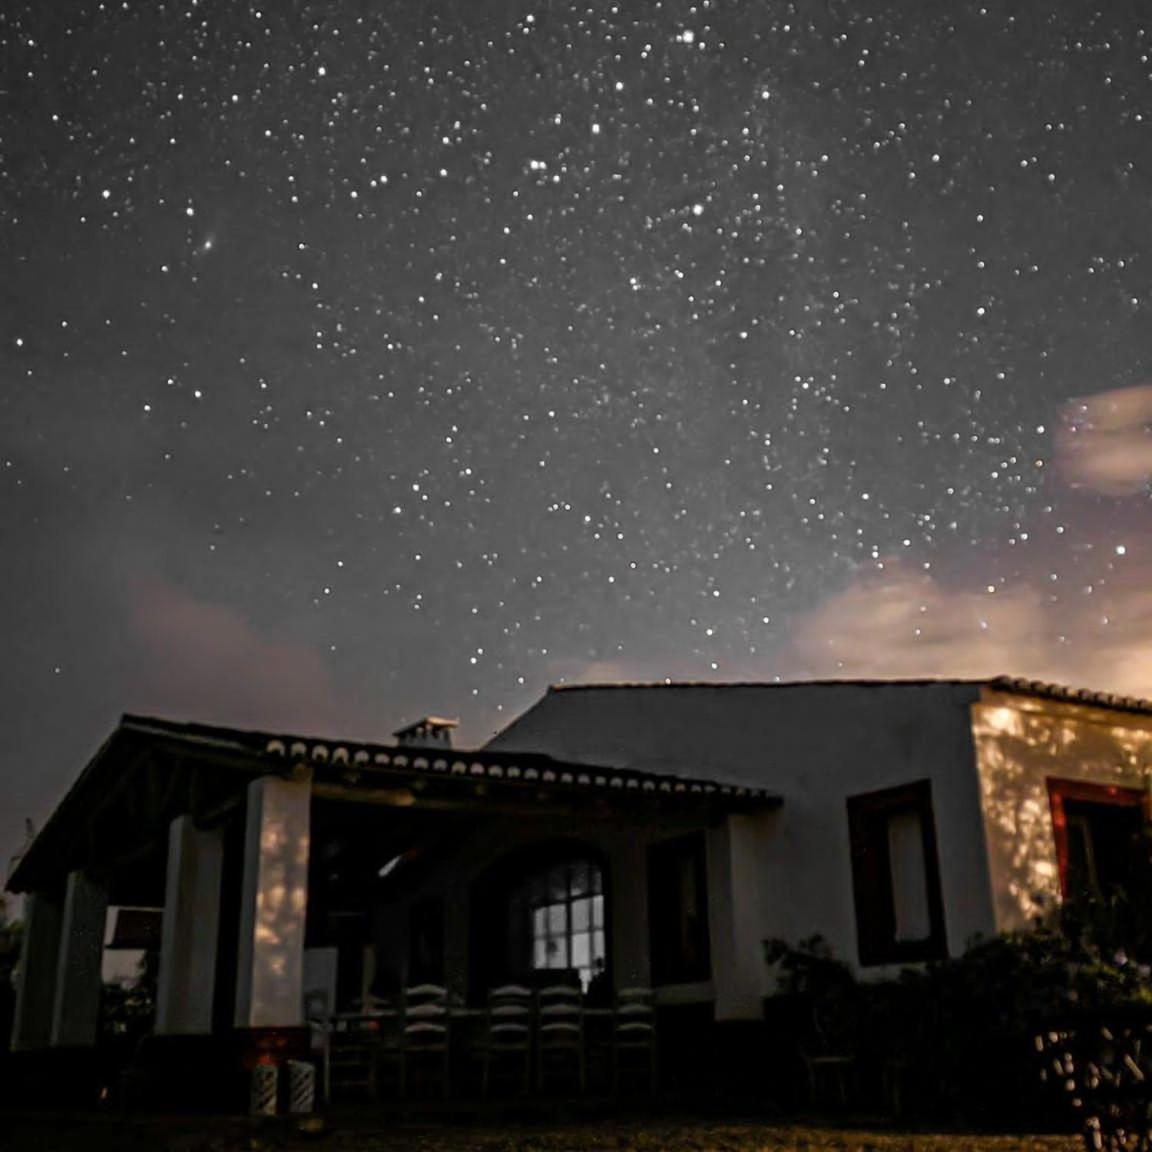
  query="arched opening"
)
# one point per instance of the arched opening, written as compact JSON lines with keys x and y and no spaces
{"x":540,"y":915}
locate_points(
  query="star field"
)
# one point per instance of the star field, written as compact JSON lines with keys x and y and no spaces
{"x":362,"y":360}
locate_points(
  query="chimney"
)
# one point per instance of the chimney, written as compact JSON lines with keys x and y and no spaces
{"x":427,"y":732}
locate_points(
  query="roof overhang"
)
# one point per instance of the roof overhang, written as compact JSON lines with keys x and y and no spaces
{"x":149,"y":771}
{"x":524,"y":777}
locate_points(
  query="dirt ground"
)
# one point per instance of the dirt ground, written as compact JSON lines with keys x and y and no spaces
{"x":79,"y":1133}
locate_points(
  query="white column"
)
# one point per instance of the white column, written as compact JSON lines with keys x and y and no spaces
{"x":36,"y":986}
{"x":76,"y":1011}
{"x":274,"y":900}
{"x":628,"y":910}
{"x":190,"y":929}
{"x":737,"y":928}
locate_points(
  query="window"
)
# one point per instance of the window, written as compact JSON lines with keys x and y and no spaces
{"x":896,"y":876}
{"x":1099,"y":836}
{"x":678,"y":911}
{"x":559,"y":912}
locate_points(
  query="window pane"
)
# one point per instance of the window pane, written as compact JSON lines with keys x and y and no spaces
{"x":539,"y":922}
{"x":581,"y":950}
{"x":540,"y":954}
{"x":598,"y":947}
{"x":580,"y":882}
{"x":1101,"y":838}
{"x":581,"y":915}
{"x":909,"y":877}
{"x":558,"y":956}
{"x":598,"y":911}
{"x":557,"y":919}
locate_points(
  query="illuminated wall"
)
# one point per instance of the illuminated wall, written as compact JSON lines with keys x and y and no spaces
{"x":1021,"y":743}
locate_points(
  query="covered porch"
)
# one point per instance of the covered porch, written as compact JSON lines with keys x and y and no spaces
{"x":305,"y":888}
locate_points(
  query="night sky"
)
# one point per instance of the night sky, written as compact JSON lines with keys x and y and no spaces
{"x":362,"y":360}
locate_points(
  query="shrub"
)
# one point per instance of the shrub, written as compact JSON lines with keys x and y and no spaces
{"x":959,"y":1033}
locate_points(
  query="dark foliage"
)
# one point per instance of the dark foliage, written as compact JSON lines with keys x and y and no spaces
{"x":955,"y":1040}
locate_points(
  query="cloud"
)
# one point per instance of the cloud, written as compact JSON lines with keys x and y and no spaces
{"x":1105,"y":442}
{"x":207,"y":662}
{"x":905,"y":624}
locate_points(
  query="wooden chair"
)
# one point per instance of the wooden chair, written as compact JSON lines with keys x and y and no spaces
{"x":318,"y":1019}
{"x":560,"y":1033}
{"x":634,"y":1035}
{"x":349,"y":1059}
{"x":425,"y":1035}
{"x":507,"y":1041}
{"x":830,"y":1055}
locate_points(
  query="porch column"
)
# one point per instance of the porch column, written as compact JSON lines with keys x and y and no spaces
{"x":737,"y":936}
{"x":76,"y":1010}
{"x":273,"y":903}
{"x":189,"y":930}
{"x":628,"y":909}
{"x":36,"y":986}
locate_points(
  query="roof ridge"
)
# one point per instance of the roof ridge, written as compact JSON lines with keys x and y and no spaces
{"x":1020,"y":685}
{"x":822,"y":682}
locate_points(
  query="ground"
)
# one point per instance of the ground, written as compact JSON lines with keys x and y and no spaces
{"x":71,"y":1133}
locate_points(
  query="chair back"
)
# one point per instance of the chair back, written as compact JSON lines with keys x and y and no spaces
{"x":560,"y":1016}
{"x":425,"y":1016}
{"x":634,"y":1021}
{"x":510,"y":1015}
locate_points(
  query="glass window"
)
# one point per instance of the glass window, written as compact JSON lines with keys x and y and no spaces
{"x":678,"y":911}
{"x":1099,"y":832}
{"x":895,"y":876}
{"x":909,"y":877}
{"x":566,"y":913}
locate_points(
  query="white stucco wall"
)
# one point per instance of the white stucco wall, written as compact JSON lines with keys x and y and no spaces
{"x":815,"y":744}
{"x":1021,"y":743}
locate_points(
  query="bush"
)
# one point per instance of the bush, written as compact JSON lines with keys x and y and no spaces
{"x":960,"y":1033}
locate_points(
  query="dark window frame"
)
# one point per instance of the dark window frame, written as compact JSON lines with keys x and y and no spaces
{"x":1061,"y":792}
{"x":670,"y":961}
{"x":869,"y":815}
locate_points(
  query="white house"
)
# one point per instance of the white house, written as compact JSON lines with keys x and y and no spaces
{"x":915,"y":815}
{"x":628,"y":835}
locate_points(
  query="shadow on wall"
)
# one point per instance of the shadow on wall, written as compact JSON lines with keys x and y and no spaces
{"x":1019,"y":753}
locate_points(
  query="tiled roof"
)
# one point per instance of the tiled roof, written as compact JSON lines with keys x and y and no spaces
{"x":511,"y":768}
{"x":1062,"y":692}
